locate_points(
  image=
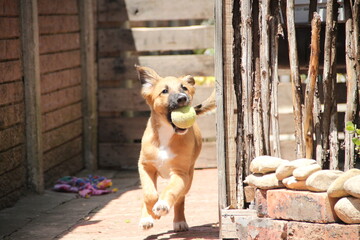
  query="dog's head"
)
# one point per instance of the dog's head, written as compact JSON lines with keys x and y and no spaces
{"x":164,"y":95}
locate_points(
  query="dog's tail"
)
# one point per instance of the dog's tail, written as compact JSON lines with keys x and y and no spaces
{"x":206,"y":106}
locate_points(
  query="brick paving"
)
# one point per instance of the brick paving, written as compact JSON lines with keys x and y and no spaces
{"x":113,"y":216}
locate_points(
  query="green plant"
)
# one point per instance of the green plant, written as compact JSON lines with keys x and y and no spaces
{"x":352,"y":128}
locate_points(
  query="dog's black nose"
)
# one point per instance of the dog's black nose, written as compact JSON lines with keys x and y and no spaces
{"x":182,"y":99}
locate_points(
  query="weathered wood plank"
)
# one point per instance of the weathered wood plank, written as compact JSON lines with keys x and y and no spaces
{"x":11,"y":137}
{"x":69,"y":167}
{"x":61,"y":135}
{"x":9,"y":8}
{"x":57,"y":7}
{"x":59,"y":61}
{"x":10,"y":71}
{"x":58,"y":80}
{"x":13,"y":180}
{"x":122,"y":99}
{"x":10,"y":27}
{"x":89,"y":84}
{"x":61,"y":98}
{"x":112,"y":155}
{"x":12,"y":159}
{"x":220,"y":117}
{"x":132,"y":129}
{"x":62,"y":153}
{"x":144,"y":10}
{"x":59,"y":42}
{"x":11,"y":92}
{"x":295,"y":78}
{"x":58,"y":24}
{"x":61,"y":116}
{"x":155,"y":39}
{"x":111,"y":69}
{"x":9,"y":49}
{"x":11,"y":115}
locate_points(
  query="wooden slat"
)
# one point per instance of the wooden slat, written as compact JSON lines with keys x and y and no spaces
{"x":69,"y":167}
{"x":11,"y":137}
{"x":113,"y":41}
{"x":57,"y":7}
{"x":58,"y":24}
{"x":61,"y":98}
{"x":61,"y":116}
{"x":10,"y":71}
{"x":154,"y":10}
{"x":117,"y":69}
{"x":11,"y":115}
{"x":11,"y":159}
{"x":9,"y":49}
{"x":122,"y":99}
{"x":59,"y":61}
{"x":62,"y":153}
{"x":220,"y":126}
{"x":59,"y":80}
{"x":9,"y":8}
{"x":11,"y":92}
{"x":62,"y":135}
{"x":13,"y":180}
{"x":59,"y":42}
{"x":121,"y":129}
{"x":130,"y":129}
{"x":10,"y":27}
{"x":125,"y":155}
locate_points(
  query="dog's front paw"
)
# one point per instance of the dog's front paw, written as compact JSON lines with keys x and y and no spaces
{"x":181,"y":226}
{"x":146,"y":223}
{"x":161,"y":208}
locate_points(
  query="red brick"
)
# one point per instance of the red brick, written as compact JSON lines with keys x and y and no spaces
{"x":301,"y":206}
{"x":316,"y":231}
{"x":260,"y":228}
{"x":261,"y":203}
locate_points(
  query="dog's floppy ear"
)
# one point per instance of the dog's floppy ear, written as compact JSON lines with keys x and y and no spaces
{"x":190,"y":79}
{"x":147,"y":76}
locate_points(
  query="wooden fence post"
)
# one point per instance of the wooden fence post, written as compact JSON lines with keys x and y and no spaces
{"x":264,"y":71}
{"x":220,"y":116}
{"x":329,"y":118}
{"x":89,"y":87}
{"x":310,"y":88}
{"x":351,"y":85}
{"x":247,"y":80}
{"x":30,"y":61}
{"x":275,"y":31}
{"x":295,"y":79}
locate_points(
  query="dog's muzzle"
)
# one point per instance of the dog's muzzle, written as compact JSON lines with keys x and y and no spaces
{"x":177,"y":100}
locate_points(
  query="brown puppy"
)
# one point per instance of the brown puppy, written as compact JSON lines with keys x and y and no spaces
{"x":166,"y":150}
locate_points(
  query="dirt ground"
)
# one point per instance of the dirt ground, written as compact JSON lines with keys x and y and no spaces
{"x":114,"y":216}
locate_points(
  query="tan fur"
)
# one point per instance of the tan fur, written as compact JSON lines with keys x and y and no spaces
{"x":163,"y":152}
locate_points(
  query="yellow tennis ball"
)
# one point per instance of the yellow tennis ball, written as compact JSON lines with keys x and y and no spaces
{"x":183,"y":117}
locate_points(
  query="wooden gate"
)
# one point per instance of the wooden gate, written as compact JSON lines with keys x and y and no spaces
{"x":164,"y":35}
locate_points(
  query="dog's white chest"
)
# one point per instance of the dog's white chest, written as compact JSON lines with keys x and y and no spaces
{"x":164,"y":153}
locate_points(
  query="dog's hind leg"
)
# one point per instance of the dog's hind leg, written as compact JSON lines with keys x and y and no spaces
{"x":180,"y":224}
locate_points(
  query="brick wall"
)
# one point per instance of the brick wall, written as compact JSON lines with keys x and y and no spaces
{"x":61,"y":92}
{"x":12,"y":121}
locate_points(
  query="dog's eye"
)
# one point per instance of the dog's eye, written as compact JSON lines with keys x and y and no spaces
{"x":165,"y":91}
{"x":184,"y":88}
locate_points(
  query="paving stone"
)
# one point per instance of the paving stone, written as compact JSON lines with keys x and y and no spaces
{"x":301,"y":206}
{"x":261,"y":203}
